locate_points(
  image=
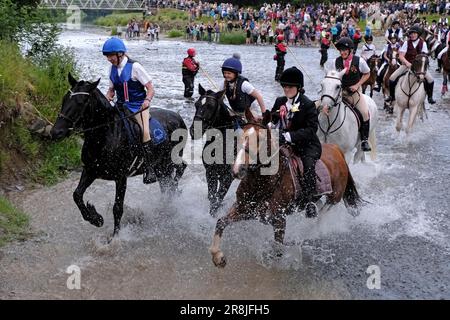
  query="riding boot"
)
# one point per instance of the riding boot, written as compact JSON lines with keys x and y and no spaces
{"x":392,"y":85}
{"x":149,"y":156}
{"x":365,"y":129}
{"x":308,"y":184}
{"x":429,"y":89}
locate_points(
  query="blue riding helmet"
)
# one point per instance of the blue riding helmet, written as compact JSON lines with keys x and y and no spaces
{"x":113,"y":45}
{"x":233,"y":65}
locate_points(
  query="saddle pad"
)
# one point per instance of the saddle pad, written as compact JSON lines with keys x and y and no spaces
{"x":323,"y":179}
{"x":157,"y":131}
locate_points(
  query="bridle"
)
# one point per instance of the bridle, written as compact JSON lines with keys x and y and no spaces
{"x":210,"y":124}
{"x":63,"y":116}
{"x":336,"y":103}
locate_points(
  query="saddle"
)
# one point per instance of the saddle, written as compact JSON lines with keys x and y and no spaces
{"x":157,"y":132}
{"x":323,"y":179}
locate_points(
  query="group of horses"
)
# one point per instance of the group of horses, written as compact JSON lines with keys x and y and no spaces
{"x":112,"y":152}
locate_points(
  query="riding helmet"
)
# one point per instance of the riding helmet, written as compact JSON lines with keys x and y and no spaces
{"x":113,"y":45}
{"x":292,"y":77}
{"x":232,"y":64}
{"x":280,"y":37}
{"x":345,"y":43}
{"x":191,"y":52}
{"x":415,"y":29}
{"x":368,"y":38}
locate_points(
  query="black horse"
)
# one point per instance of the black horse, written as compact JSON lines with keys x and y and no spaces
{"x":109,"y":151}
{"x":212,"y":113}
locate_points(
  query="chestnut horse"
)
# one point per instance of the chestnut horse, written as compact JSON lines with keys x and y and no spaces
{"x":270,"y":197}
{"x":392,"y":66}
{"x":373,"y":65}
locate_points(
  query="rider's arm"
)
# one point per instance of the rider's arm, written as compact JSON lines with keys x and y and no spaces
{"x":250,"y":90}
{"x":255,"y":94}
{"x":110,"y":94}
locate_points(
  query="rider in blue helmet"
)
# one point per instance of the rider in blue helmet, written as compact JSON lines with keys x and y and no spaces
{"x":239,"y":91}
{"x":134,"y":89}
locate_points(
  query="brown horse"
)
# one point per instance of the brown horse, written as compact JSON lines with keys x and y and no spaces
{"x":445,"y":72}
{"x":270,"y":197}
{"x":393,"y":65}
{"x":373,"y":65}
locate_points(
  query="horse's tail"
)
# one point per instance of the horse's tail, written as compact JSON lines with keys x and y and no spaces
{"x":373,"y":145}
{"x":351,"y":195}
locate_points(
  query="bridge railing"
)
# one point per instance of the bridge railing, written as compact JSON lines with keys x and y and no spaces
{"x":96,"y":4}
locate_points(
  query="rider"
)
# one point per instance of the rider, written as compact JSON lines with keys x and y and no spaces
{"x":387,"y":56}
{"x":297,"y":119}
{"x":239,"y":91}
{"x":324,"y":46}
{"x":368,"y":49}
{"x":357,"y":72}
{"x":280,"y":52}
{"x":189,"y":69}
{"x":134,"y":89}
{"x":407,"y":53}
{"x":441,"y":53}
{"x":395,"y":28}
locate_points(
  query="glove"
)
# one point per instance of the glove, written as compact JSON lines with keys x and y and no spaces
{"x":267,"y":115}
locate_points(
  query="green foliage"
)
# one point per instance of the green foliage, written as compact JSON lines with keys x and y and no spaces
{"x":13,"y":222}
{"x":174,"y":33}
{"x":23,"y":140}
{"x":114,"y":31}
{"x":117,"y":19}
{"x":60,"y":158}
{"x":234,"y":37}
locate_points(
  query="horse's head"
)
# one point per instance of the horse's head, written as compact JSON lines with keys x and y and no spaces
{"x":255,"y":145}
{"x":74,"y":105}
{"x":207,"y":109}
{"x":420,"y":66}
{"x":331,"y":88}
{"x":373,"y":63}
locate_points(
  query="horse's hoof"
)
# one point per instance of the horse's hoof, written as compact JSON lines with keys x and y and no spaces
{"x":219,"y":260}
{"x":96,"y":220}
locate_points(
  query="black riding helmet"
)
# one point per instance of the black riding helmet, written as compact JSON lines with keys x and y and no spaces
{"x":292,"y":77}
{"x":345,"y":43}
{"x":415,"y":29}
{"x":368,"y":38}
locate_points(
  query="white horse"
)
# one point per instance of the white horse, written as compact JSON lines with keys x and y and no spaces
{"x":340,"y":126}
{"x":410,"y":93}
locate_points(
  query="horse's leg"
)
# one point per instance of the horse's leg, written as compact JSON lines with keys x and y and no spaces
{"x":218,"y":257}
{"x":87,"y":211}
{"x":412,"y":118}
{"x":399,"y":124}
{"x":225,"y":180}
{"x":279,"y":230}
{"x":121,"y":188}
{"x":212,"y":181}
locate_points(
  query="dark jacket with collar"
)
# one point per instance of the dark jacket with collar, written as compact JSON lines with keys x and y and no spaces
{"x":302,"y":126}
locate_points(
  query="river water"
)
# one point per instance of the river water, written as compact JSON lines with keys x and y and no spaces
{"x":162,"y":250}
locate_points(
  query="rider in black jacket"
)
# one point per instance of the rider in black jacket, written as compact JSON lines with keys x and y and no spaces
{"x":297,"y":119}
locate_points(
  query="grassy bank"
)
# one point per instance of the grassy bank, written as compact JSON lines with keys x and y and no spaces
{"x":27,"y":91}
{"x":13,"y":222}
